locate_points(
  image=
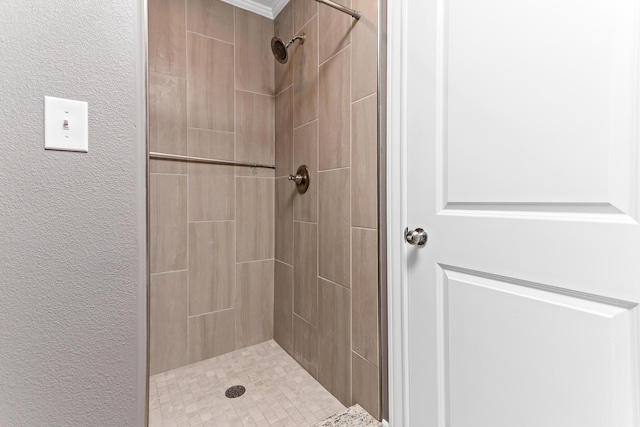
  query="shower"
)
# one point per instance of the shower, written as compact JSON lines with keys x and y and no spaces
{"x":279,"y":48}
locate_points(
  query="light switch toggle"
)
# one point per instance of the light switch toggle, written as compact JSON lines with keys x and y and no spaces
{"x":57,"y":112}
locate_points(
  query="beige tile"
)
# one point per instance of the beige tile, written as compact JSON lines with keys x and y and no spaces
{"x":284,"y":133}
{"x":210,"y":83}
{"x":211,"y":187}
{"x":304,"y":10}
{"x":335,"y":111}
{"x":167,"y":121}
{"x":305,"y":76}
{"x":254,"y":303}
{"x":305,"y":267}
{"x":211,"y":266}
{"x":168,"y":222}
{"x":365,"y":293}
{"x":283,"y":28}
{"x":254,"y":218}
{"x":335,"y":30}
{"x":283,"y":306}
{"x":167,"y":43}
{"x":285,"y":193}
{"x":212,"y":18}
{"x":168,"y":321}
{"x":167,"y":166}
{"x":254,"y":60}
{"x":366,"y":385}
{"x":305,"y":345}
{"x":365,"y":50}
{"x":305,"y":152}
{"x":364,"y":181}
{"x":255,"y":128}
{"x":334,"y":339}
{"x":333,"y":225}
{"x":211,"y":335}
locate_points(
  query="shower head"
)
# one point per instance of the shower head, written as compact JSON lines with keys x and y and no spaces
{"x":279,"y":48}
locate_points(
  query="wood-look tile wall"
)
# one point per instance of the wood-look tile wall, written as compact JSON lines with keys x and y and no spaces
{"x":326,"y":272}
{"x":211,"y":94}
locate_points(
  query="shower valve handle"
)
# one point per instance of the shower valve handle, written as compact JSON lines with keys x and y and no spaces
{"x":301,"y":178}
{"x":298,"y":179}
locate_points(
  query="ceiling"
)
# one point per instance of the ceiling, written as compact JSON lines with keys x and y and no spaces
{"x":268,"y":8}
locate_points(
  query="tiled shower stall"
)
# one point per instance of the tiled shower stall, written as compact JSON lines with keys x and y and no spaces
{"x":238,"y":256}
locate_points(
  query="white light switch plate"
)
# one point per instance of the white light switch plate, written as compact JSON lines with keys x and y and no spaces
{"x":66,"y":124}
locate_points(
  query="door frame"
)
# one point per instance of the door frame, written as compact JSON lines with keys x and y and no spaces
{"x":396,"y":185}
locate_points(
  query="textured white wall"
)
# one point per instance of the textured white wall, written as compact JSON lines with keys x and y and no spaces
{"x":70,"y":224}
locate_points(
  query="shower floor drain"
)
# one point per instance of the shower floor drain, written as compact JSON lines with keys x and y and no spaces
{"x":235,"y":391}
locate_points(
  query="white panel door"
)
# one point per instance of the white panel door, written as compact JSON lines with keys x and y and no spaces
{"x":523,"y":168}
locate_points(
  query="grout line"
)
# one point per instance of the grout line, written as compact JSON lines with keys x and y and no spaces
{"x":333,"y":56}
{"x":255,"y":93}
{"x":333,"y":283}
{"x":255,"y":261}
{"x":306,"y":23}
{"x":364,"y":98}
{"x":210,"y":130}
{"x":168,"y":272}
{"x":209,"y":37}
{"x":305,"y":124}
{"x":335,"y":169}
{"x":363,"y":228}
{"x":211,"y":312}
{"x":282,"y":262}
{"x":211,"y":222}
{"x":305,"y":222}
{"x":188,"y":281}
{"x":285,"y":89}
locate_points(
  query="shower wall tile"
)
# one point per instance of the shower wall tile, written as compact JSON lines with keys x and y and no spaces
{"x":211,"y":187}
{"x":364,"y":79}
{"x":366,"y":385}
{"x":254,"y":303}
{"x":335,"y":111}
{"x":168,"y":222}
{"x":255,"y":218}
{"x":364,"y":169}
{"x":304,"y":10}
{"x":254,"y":60}
{"x":334,"y":339}
{"x":285,"y":194}
{"x":305,"y":264}
{"x":365,"y":293}
{"x":305,"y":152}
{"x":211,"y":335}
{"x":211,"y":18}
{"x":305,"y":75}
{"x":167,"y":120}
{"x":255,"y":128}
{"x":168,"y":321}
{"x":283,"y":28}
{"x":334,"y":227}
{"x":210,"y":83}
{"x":284,"y":133}
{"x":167,"y":37}
{"x":283,"y":306}
{"x":335,"y":30}
{"x":211,"y":267}
{"x":305,"y":345}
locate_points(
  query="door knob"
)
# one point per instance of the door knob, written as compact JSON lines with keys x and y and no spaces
{"x":416,"y":237}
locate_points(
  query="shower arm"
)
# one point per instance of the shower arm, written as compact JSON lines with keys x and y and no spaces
{"x":301,"y":37}
{"x":354,"y":13}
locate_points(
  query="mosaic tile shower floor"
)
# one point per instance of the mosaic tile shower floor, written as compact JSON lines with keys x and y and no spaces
{"x":279,"y":392}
